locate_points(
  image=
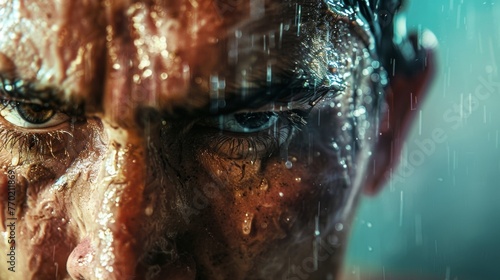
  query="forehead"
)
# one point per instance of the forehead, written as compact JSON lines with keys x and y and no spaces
{"x":169,"y":54}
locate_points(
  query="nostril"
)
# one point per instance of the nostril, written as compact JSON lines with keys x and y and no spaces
{"x":80,"y":260}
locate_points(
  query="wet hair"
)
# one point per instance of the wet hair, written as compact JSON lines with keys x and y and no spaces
{"x":395,"y":51}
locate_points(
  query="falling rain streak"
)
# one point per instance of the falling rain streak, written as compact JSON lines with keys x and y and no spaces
{"x":449,"y":201}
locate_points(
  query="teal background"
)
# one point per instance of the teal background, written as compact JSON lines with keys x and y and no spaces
{"x":441,"y":220}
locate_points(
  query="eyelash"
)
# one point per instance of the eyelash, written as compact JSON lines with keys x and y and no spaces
{"x":6,"y":103}
{"x":34,"y":144}
{"x":263,"y":144}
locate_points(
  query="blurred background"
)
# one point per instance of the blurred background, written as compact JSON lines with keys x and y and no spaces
{"x":438,"y":218}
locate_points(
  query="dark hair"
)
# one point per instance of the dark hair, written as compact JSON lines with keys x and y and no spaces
{"x":402,"y":55}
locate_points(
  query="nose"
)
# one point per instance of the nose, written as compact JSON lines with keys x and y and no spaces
{"x":80,"y":260}
{"x":110,"y":234}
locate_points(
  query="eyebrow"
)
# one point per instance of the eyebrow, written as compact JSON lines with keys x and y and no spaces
{"x":290,"y":90}
{"x":19,"y":90}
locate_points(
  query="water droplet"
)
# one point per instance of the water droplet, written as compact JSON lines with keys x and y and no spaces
{"x":288,"y":164}
{"x":15,"y":160}
{"x":359,"y":112}
{"x":298,"y":179}
{"x":264,"y":184}
{"x":335,"y":146}
{"x":369,"y":225}
{"x":147,"y":73}
{"x":287,"y":220}
{"x":149,"y":210}
{"x":281,"y":194}
{"x":339,"y":227}
{"x":247,"y":224}
{"x":370,"y":248}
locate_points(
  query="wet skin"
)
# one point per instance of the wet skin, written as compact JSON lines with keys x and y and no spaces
{"x":182,"y":139}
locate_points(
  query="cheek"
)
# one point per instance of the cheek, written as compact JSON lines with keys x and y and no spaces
{"x":261,"y":199}
{"x":261,"y":208}
{"x":257,"y":205}
{"x":44,"y":187}
{"x":41,"y":227}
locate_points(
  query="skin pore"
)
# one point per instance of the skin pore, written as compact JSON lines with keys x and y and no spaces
{"x":183,"y":139}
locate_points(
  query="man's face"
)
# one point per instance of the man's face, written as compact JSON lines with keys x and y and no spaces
{"x":182,"y":139}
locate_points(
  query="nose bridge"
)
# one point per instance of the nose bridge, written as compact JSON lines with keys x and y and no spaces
{"x":118,"y":220}
{"x":114,"y":242}
{"x":151,"y":58}
{"x":130,"y":67}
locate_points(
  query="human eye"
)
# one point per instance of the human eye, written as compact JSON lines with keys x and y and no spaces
{"x":28,"y":115}
{"x":253,"y":134}
{"x":246,"y":122}
{"x":30,"y":126}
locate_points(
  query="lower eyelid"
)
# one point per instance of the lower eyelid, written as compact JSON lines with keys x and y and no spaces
{"x":35,"y":144}
{"x":244,"y":147}
{"x":40,"y":142}
{"x":240,"y":146}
